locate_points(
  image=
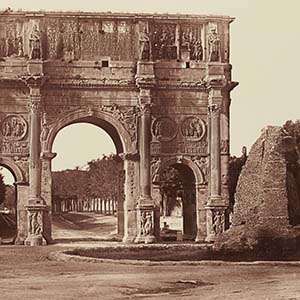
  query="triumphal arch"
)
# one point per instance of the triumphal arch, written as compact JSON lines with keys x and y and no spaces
{"x":159,"y":85}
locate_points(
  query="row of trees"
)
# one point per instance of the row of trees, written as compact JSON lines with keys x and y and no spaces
{"x":95,"y":188}
{"x":2,"y":189}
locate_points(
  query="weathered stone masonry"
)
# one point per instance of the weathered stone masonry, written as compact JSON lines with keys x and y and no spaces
{"x":158,"y":84}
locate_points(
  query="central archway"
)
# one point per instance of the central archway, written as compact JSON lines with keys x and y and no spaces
{"x":123,"y":145}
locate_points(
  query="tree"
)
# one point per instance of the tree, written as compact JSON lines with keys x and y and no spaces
{"x":171,"y":183}
{"x":99,"y":181}
{"x":2,"y":189}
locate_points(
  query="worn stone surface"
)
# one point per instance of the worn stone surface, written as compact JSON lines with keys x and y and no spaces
{"x":147,"y":80}
{"x":267,"y":195}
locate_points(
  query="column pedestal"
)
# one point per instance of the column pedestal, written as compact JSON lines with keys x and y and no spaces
{"x":145,"y":220}
{"x":35,"y":225}
{"x":215,"y":222}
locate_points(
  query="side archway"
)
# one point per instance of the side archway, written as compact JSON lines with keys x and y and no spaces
{"x":21,"y":196}
{"x":199,"y":177}
{"x":192,"y":196}
{"x":16,"y":171}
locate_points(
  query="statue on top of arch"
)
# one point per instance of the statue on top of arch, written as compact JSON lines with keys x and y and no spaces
{"x":35,"y":43}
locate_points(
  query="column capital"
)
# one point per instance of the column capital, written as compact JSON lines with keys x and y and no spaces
{"x":214,"y":109}
{"x":145,"y":109}
{"x":34,"y":105}
{"x":133,"y":156}
{"x":33,"y":82}
{"x":145,"y":96}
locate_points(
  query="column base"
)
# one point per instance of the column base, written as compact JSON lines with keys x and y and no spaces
{"x":200,"y":238}
{"x":36,"y":201}
{"x":210,"y":238}
{"x":128,"y":239}
{"x":149,"y":239}
{"x":19,"y":241}
{"x":145,"y":202}
{"x":35,"y":240}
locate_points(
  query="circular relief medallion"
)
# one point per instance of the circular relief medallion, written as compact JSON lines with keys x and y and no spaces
{"x":193,"y":128}
{"x":164,"y":129}
{"x":13,"y":127}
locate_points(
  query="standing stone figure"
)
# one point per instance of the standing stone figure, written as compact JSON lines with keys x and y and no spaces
{"x":35,"y":43}
{"x":35,"y":223}
{"x":155,"y":165}
{"x":20,"y":46}
{"x":214,"y":45}
{"x":198,"y":51}
{"x":148,"y":224}
{"x":144,"y":40}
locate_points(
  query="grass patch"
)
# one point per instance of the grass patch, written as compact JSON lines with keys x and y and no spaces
{"x":179,"y":254}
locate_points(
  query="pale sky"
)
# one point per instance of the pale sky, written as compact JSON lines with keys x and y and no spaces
{"x":265,"y":49}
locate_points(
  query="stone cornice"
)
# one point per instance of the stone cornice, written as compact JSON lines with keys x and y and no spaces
{"x":91,"y":83}
{"x":117,"y":15}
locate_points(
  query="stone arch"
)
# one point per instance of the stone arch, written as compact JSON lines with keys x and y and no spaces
{"x":200,"y":187}
{"x":118,"y":133}
{"x":199,"y":177}
{"x":13,"y":168}
{"x":106,"y":121}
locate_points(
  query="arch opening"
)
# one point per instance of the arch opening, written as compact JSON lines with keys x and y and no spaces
{"x":86,"y":195}
{"x":178,"y":202}
{"x":8,"y":205}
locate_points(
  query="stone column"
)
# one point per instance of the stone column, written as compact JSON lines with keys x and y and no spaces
{"x":36,"y":205}
{"x":215,"y":205}
{"x":145,"y":81}
{"x":144,"y":150}
{"x":145,"y":208}
{"x":46,"y":193}
{"x":215,"y":154}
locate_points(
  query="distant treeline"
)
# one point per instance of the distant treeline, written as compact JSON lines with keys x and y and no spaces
{"x":94,"y":189}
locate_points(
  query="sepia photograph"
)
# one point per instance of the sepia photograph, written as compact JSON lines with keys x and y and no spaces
{"x":149,"y":150}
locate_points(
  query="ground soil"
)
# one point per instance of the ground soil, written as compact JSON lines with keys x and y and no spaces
{"x":27,"y":273}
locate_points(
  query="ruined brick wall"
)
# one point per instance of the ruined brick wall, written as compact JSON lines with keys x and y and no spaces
{"x":267,"y":199}
{"x":261,"y":198}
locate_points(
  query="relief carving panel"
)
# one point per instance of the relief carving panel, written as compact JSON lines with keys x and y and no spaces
{"x":191,"y":43}
{"x":202,"y":164}
{"x":193,"y":128}
{"x":127,"y":117}
{"x":163,"y":38}
{"x":164,"y":129}
{"x":13,"y":128}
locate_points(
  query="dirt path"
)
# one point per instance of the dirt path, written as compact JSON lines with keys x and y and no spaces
{"x":26,"y":273}
{"x":75,"y":226}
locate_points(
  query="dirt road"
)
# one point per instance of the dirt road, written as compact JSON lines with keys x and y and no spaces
{"x":26,"y":273}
